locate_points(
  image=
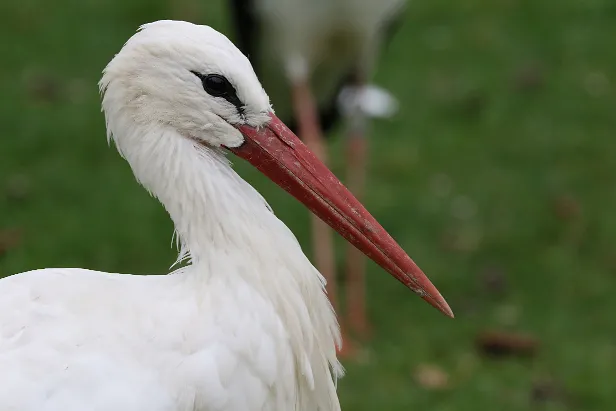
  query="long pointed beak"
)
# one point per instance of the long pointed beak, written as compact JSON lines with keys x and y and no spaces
{"x":282,"y":157}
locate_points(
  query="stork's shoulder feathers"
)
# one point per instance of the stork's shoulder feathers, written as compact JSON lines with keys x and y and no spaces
{"x":124,"y":342}
{"x":47,"y":357}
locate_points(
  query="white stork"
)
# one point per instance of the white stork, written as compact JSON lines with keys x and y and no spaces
{"x":245,"y":325}
{"x":315,"y":59}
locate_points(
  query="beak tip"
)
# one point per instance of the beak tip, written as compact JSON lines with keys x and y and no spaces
{"x":440,"y":304}
{"x":433,"y":297}
{"x":447,"y":311}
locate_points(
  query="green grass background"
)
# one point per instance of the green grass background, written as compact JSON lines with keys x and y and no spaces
{"x":499,"y":169}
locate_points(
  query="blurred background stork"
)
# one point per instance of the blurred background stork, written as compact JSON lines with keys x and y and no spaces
{"x":497,"y":174}
{"x":316,"y":59}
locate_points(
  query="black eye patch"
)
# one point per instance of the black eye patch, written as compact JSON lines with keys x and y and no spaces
{"x":218,"y":86}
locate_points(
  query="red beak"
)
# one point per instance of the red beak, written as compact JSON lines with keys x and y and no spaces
{"x":282,"y":157}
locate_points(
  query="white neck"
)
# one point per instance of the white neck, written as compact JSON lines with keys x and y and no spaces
{"x":221,"y":220}
{"x":213,"y":209}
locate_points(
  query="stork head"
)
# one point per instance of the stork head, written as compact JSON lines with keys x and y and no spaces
{"x":194,"y":81}
{"x":187,"y":77}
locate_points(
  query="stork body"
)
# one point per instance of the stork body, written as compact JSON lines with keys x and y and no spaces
{"x":156,"y":345}
{"x":245,"y":325}
{"x":316,"y":58}
{"x":328,"y":45}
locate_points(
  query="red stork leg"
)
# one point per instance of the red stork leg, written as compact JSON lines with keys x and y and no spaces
{"x":357,"y":150}
{"x":356,"y":159}
{"x":309,"y":130}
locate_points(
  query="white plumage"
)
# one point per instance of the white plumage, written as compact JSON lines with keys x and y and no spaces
{"x":244,"y":326}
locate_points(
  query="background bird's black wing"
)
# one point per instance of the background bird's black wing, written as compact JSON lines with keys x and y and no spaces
{"x":246,"y":29}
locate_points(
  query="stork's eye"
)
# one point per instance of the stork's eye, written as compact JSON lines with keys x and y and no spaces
{"x":215,"y":85}
{"x":218,"y":86}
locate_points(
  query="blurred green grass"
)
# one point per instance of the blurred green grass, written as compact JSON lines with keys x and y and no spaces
{"x":499,"y":169}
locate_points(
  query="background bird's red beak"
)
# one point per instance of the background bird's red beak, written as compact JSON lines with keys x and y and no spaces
{"x":282,"y":157}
